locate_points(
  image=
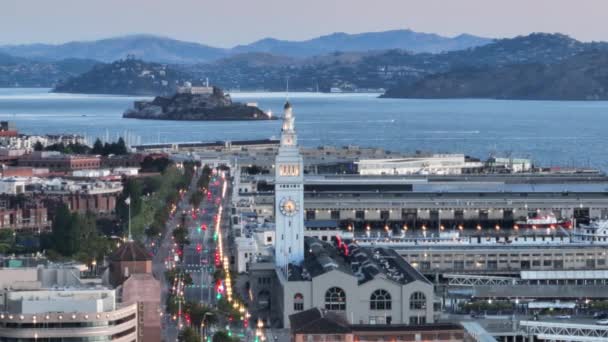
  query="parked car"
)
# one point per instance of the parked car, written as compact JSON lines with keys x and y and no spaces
{"x":602,"y":322}
{"x":563,"y":316}
{"x":600,"y":315}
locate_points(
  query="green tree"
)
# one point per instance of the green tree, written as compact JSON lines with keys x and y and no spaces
{"x":97,"y":147}
{"x":222,"y":336}
{"x":189,"y":335}
{"x":120,"y":147}
{"x":62,"y":231}
{"x":180,"y":234}
{"x":196,"y":199}
{"x":38,"y":146}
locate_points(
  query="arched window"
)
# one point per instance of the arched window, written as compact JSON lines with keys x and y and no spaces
{"x":298,"y":302}
{"x":335,"y":299}
{"x":417,"y":301}
{"x":380,"y":300}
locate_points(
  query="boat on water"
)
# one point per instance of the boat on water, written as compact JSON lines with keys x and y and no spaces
{"x":544,"y":220}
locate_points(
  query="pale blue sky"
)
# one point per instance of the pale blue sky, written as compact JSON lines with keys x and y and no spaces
{"x":229,"y":22}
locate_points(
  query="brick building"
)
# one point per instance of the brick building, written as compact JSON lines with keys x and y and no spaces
{"x":57,"y":162}
{"x":80,"y":196}
{"x":130,"y":258}
{"x":23,"y":214}
{"x":131,"y":269}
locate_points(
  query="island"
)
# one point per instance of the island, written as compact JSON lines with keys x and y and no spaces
{"x":196,"y":104}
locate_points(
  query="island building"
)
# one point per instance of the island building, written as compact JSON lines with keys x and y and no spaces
{"x":362,"y":285}
{"x":187,"y":88}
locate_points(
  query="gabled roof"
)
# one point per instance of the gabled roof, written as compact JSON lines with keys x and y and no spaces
{"x":318,"y":321}
{"x":131,"y":251}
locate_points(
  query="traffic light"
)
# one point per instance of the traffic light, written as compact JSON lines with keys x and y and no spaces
{"x":199,"y":247}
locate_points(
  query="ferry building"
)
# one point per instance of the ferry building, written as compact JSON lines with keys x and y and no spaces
{"x":364,"y":285}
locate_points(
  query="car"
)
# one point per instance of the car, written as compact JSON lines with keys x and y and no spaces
{"x":602,"y":322}
{"x":563,"y":316}
{"x":600,"y":315}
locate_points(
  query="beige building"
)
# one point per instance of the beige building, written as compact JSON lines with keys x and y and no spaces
{"x":66,"y":315}
{"x":364,"y":285}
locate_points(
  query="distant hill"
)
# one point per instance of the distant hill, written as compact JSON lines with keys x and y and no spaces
{"x":581,"y":77}
{"x":378,"y":69}
{"x":166,"y":50}
{"x":148,"y":47}
{"x":343,"y":42}
{"x":126,"y":77}
{"x":22,"y":72}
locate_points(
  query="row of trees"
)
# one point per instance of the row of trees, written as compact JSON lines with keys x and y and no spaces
{"x":117,"y":148}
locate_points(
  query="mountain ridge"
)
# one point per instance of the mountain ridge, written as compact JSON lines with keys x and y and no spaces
{"x":161,"y":49}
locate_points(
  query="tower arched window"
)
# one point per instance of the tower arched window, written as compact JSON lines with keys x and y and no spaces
{"x":417,"y":301}
{"x":335,"y":299}
{"x":298,"y":302}
{"x":380,"y":300}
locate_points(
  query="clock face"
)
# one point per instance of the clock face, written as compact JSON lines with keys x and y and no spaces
{"x":288,"y":207}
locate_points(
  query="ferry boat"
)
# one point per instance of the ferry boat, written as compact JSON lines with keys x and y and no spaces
{"x":544,"y":220}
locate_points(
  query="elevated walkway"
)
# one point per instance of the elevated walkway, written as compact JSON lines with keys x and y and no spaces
{"x":565,"y":331}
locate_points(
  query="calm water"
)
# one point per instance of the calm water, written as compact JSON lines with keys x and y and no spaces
{"x":552,"y":133}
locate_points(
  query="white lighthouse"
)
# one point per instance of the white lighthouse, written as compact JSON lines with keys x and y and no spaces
{"x":289,"y":196}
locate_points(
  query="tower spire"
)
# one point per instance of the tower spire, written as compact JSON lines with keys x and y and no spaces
{"x":287,"y":89}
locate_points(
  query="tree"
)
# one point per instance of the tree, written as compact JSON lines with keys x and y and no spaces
{"x":97,"y":147}
{"x":189,"y":335}
{"x":38,"y":146}
{"x":120,"y":147}
{"x":196,"y":199}
{"x":222,"y":336}
{"x":180,"y":234}
{"x":63,"y":231}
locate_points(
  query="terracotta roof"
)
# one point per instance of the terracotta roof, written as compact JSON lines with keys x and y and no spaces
{"x":131,"y":251}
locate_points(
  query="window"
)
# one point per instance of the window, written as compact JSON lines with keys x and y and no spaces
{"x":417,"y":320}
{"x":360,"y":215}
{"x":335,"y":299}
{"x":380,"y":300}
{"x":417,"y":301}
{"x":298,"y":302}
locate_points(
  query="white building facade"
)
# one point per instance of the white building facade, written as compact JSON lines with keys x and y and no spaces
{"x":289,"y":196}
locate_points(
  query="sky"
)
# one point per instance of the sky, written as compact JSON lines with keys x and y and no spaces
{"x":225,"y":23}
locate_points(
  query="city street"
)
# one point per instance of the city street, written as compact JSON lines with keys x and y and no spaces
{"x":199,"y":257}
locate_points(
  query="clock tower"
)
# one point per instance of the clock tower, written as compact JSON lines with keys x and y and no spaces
{"x":289,"y":196}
